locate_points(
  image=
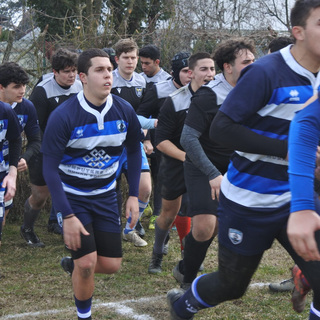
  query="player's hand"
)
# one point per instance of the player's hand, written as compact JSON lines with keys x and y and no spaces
{"x":147,"y":146}
{"x":132,"y":206}
{"x":9,"y":183}
{"x":301,"y":228}
{"x":215,"y":187}
{"x":22,"y":165}
{"x":72,"y":229}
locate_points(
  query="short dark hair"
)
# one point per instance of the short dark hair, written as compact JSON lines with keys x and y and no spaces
{"x":84,"y":60}
{"x":63,"y":59}
{"x":301,"y":12}
{"x":12,"y":72}
{"x":125,"y":45}
{"x":150,"y":51}
{"x":227,"y":51}
{"x":278,"y":43}
{"x":196,"y":57}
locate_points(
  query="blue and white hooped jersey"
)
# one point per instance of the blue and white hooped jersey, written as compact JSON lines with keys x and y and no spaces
{"x":28,"y":121}
{"x":90,"y":142}
{"x":279,"y":84}
{"x":9,"y":130}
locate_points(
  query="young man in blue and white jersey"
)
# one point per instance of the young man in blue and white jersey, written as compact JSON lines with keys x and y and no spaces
{"x":83,"y":149}
{"x":10,"y":131}
{"x":13,"y":80}
{"x":254,"y":202}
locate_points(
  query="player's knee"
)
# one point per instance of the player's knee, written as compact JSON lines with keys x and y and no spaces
{"x":145,"y":192}
{"x":202,"y":232}
{"x":86,"y":268}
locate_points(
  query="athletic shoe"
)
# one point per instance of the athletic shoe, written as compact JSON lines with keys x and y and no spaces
{"x":283,"y":286}
{"x":177,"y":273}
{"x":54,"y":227}
{"x":172,"y":296}
{"x":155,"y":263}
{"x":147,"y":212}
{"x":166,"y":245}
{"x":140,"y":229}
{"x":133,"y":237}
{"x":31,"y":238}
{"x":300,"y":290}
{"x":67,"y":265}
{"x":152,"y":222}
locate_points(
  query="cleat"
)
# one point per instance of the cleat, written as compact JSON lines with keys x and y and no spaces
{"x":54,"y":227}
{"x":156,"y":263}
{"x":139,"y":228}
{"x":67,"y":265}
{"x":31,"y":238}
{"x":133,"y":237}
{"x":283,"y":286}
{"x":300,"y":290}
{"x":152,"y":222}
{"x":172,"y":296}
{"x":177,"y":273}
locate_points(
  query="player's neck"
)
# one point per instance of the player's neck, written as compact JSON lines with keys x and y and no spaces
{"x":305,"y":58}
{"x":154,"y":73}
{"x":93,"y":99}
{"x":3,"y":98}
{"x":125,"y":76}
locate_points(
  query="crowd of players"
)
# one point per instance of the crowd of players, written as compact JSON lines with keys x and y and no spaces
{"x":212,"y":147}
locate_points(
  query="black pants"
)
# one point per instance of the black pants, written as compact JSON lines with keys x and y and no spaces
{"x":236,"y":270}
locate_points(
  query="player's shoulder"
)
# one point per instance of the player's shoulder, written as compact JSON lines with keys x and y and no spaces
{"x":138,"y":80}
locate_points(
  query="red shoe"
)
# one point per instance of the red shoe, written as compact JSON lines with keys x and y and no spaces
{"x":300,"y":291}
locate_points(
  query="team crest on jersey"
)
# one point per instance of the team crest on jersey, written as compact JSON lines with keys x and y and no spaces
{"x":79,"y":133}
{"x":1,"y":125}
{"x":235,"y":236}
{"x":139,"y":91}
{"x":121,"y":126}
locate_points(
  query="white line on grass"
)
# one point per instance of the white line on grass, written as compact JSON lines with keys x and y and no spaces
{"x":119,"y":307}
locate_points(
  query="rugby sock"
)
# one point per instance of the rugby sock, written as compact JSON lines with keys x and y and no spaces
{"x":157,"y":201}
{"x":194,"y":254}
{"x":190,"y":303}
{"x":30,"y":216}
{"x":142,"y":206}
{"x":159,"y":239}
{"x":83,"y":308}
{"x":183,"y":225}
{"x":314,"y":313}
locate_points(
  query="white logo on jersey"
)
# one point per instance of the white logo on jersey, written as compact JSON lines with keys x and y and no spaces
{"x":119,"y":90}
{"x":79,"y":133}
{"x":57,"y":99}
{"x":294,"y":95}
{"x":235,"y":236}
{"x":98,"y":159}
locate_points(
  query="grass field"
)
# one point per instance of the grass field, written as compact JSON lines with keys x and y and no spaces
{"x":33,"y":285}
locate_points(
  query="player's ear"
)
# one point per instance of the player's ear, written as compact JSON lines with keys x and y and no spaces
{"x":83,"y":77}
{"x":227,"y":67}
{"x":1,"y":87}
{"x":298,"y":32}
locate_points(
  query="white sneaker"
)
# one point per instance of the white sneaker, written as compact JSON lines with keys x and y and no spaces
{"x":133,"y":237}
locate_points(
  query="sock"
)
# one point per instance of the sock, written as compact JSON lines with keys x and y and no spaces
{"x":183,"y":225}
{"x":314,"y":313}
{"x":142,"y":206}
{"x":83,"y":308}
{"x":190,"y":303}
{"x":159,"y":239}
{"x":157,"y":201}
{"x":194,"y":254}
{"x":30,"y":216}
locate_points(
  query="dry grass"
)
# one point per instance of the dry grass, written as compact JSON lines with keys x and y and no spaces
{"x":34,"y":281}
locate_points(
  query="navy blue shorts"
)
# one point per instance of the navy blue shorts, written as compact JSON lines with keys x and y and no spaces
{"x":249,"y":231}
{"x":100,"y":210}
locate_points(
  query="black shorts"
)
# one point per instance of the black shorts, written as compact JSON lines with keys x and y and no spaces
{"x":171,"y":179}
{"x":35,"y":170}
{"x":107,"y":244}
{"x":199,"y":192}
